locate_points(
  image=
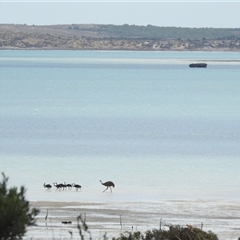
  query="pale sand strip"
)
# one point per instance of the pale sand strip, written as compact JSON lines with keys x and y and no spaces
{"x":116,"y":218}
{"x":101,"y":219}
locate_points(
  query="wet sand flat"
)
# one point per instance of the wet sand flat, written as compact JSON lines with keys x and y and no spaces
{"x":112,"y":219}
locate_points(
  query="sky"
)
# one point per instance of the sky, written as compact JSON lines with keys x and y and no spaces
{"x":192,"y":13}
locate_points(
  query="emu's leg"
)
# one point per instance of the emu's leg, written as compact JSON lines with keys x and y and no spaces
{"x":105,"y":189}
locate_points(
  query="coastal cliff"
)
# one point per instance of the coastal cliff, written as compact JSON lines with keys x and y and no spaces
{"x":110,"y":37}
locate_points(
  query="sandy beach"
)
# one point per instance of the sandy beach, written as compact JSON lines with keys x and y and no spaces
{"x":113,"y":219}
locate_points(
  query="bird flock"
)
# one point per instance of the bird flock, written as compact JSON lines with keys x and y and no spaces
{"x":68,"y":186}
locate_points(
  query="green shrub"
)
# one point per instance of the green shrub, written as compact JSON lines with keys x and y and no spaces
{"x":130,"y":236}
{"x":174,"y":233}
{"x":15,"y":214}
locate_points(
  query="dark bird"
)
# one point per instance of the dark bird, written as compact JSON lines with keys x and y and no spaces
{"x":108,"y":184}
{"x":77,"y":186}
{"x":48,"y":186}
{"x":69,"y":186}
{"x":58,"y":185}
{"x":64,"y":185}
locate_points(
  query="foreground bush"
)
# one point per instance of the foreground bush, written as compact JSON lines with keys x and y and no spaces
{"x":15,"y":214}
{"x":174,"y":233}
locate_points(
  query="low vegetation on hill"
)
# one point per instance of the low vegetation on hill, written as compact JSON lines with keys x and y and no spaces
{"x":154,"y":32}
{"x":117,"y":37}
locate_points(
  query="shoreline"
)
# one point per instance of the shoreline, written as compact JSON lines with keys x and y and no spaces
{"x":124,"y":61}
{"x":114,"y":218}
{"x":121,"y":50}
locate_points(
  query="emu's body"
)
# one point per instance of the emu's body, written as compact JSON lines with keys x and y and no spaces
{"x":69,"y":186}
{"x":77,"y":186}
{"x":48,"y":186}
{"x":58,"y":185}
{"x":108,"y":184}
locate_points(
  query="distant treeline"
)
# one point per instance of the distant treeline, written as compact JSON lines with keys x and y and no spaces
{"x":154,"y":32}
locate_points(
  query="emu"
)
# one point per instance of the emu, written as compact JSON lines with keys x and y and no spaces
{"x":108,"y":184}
{"x":48,"y":186}
{"x":58,"y":186}
{"x":77,"y":186}
{"x":69,"y":186}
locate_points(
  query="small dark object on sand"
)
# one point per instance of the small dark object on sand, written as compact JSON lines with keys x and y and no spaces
{"x":67,"y":222}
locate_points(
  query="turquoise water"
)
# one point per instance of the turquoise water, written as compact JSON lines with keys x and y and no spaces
{"x":145,"y":120}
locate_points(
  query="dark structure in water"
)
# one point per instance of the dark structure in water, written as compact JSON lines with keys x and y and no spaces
{"x":198,"y":65}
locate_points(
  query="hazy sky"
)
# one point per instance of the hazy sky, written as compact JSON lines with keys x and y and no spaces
{"x":192,"y":13}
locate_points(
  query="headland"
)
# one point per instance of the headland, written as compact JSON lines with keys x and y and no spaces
{"x":114,"y":37}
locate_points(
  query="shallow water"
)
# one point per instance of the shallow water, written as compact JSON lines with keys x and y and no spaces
{"x":158,"y":129}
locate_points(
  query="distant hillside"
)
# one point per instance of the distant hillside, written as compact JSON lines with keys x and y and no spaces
{"x":116,"y":37}
{"x":126,"y":31}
